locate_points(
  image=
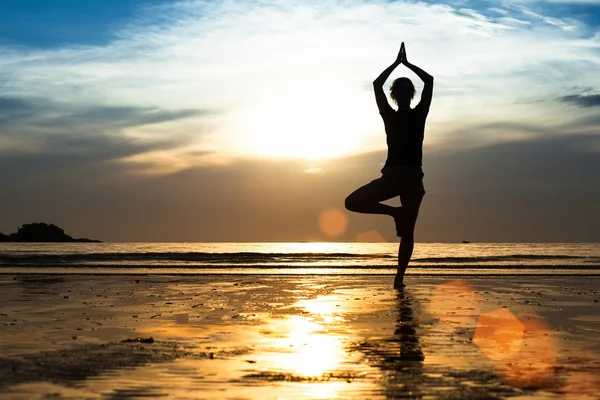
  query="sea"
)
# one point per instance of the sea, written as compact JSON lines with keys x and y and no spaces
{"x":299,"y":258}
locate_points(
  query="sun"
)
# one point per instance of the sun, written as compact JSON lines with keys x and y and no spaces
{"x":312,"y":130}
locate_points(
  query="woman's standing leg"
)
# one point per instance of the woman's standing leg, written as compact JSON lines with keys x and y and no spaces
{"x":411,"y":202}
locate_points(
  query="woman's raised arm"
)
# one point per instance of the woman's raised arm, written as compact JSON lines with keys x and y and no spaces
{"x":380,"y":98}
{"x":425,"y":77}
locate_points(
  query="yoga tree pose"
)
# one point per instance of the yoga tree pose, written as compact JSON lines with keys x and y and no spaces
{"x":402,"y":174}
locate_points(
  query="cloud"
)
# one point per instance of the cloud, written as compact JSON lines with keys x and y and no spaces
{"x":51,"y":114}
{"x":582,"y":100}
{"x":40,"y":133}
{"x":13,"y":110}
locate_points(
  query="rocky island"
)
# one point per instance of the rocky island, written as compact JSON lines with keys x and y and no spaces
{"x":41,"y":232}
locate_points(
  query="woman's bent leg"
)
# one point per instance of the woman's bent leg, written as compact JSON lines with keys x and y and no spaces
{"x":367,"y":199}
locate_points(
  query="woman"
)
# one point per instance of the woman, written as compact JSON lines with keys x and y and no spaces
{"x":402,"y":174}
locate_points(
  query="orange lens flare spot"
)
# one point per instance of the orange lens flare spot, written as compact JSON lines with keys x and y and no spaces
{"x":456,"y":304}
{"x":370,"y":236}
{"x":581,"y":386}
{"x":524,"y":350}
{"x":533,"y":366}
{"x":333,"y":222}
{"x":499,"y":334}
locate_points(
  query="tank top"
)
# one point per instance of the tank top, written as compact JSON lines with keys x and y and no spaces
{"x":405,"y":130}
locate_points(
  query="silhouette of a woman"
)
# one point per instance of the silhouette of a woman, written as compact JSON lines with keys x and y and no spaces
{"x":402,"y":174}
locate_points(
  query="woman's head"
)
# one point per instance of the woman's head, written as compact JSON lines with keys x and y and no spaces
{"x":402,"y":91}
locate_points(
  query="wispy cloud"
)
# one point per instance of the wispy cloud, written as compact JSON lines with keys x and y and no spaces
{"x":582,"y":100}
{"x":39,"y":132}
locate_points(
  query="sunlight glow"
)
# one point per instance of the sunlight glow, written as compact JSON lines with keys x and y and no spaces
{"x":311,"y":130}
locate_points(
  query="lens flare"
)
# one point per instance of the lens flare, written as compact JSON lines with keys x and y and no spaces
{"x":533,"y":366}
{"x":499,"y":334}
{"x":333,"y":222}
{"x":370,"y":236}
{"x":523,"y":350}
{"x":581,"y":386}
{"x":456,"y":304}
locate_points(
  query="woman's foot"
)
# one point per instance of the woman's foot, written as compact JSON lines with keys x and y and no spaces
{"x":399,"y":282}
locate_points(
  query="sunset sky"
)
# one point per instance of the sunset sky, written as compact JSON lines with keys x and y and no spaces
{"x":150,"y":120}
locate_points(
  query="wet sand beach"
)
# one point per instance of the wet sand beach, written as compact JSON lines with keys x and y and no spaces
{"x":298,"y":337}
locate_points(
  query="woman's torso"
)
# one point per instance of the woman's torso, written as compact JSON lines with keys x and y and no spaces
{"x":405,"y":131}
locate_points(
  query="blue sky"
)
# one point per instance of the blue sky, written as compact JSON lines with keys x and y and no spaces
{"x":40,"y":23}
{"x":194,"y":93}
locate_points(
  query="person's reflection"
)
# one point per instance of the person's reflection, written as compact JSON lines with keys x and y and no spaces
{"x":406,"y":366}
{"x":400,"y":357}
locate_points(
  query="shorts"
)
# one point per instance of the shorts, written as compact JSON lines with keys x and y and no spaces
{"x":406,"y":180}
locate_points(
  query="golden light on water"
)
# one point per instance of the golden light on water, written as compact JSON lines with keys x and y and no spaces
{"x":333,"y":222}
{"x":313,"y":351}
{"x":324,"y":391}
{"x":316,"y":349}
{"x":321,"y":306}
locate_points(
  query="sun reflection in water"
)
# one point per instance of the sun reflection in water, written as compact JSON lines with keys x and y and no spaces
{"x":313,"y":350}
{"x":314,"y":346}
{"x":323,"y":307}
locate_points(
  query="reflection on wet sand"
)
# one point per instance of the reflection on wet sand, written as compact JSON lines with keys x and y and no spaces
{"x":399,"y":357}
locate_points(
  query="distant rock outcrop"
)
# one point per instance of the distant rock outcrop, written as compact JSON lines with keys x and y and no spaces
{"x":40,"y":232}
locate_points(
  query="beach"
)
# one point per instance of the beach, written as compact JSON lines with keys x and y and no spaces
{"x":298,"y":337}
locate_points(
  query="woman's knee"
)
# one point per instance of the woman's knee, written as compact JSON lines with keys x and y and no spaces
{"x":408,"y":237}
{"x":407,"y":230}
{"x":351,"y":203}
